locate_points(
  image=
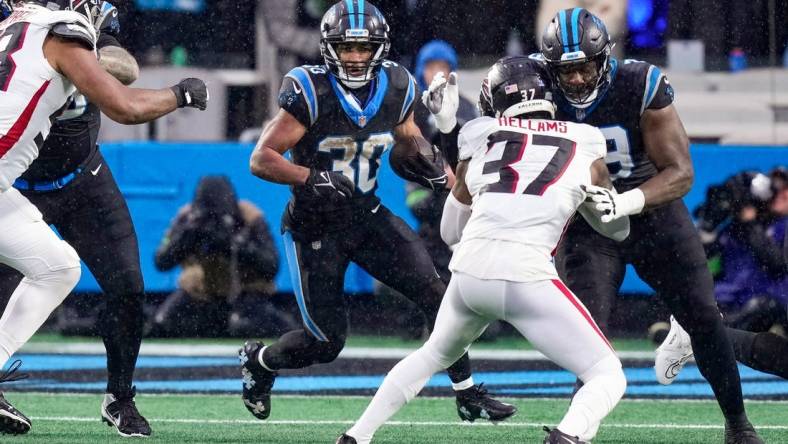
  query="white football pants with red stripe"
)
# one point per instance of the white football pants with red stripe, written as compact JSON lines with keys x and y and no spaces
{"x":49,"y":265}
{"x":553,"y":320}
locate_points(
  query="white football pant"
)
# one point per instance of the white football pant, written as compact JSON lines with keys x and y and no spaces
{"x":49,"y":265}
{"x":545,"y":312}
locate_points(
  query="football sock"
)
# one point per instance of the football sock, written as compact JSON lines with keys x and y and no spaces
{"x":462,"y":385}
{"x":30,"y":305}
{"x":717,"y":363}
{"x":603,"y":387}
{"x":460,"y":371}
{"x":402,"y":384}
{"x":121,"y":330}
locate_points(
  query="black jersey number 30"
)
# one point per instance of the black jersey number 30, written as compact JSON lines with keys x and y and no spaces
{"x":11,"y":40}
{"x":514,"y":149}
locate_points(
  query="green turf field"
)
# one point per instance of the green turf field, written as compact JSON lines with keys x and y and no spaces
{"x":65,"y":418}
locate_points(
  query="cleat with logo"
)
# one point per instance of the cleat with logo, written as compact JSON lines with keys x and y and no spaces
{"x":474,"y":403}
{"x":556,"y":436}
{"x":257,"y":381}
{"x":121,"y":412}
{"x":674,"y":352}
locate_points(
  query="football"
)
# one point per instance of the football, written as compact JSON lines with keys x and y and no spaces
{"x":403,"y":151}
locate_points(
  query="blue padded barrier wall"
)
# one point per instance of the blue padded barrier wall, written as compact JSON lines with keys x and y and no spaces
{"x":158,"y":178}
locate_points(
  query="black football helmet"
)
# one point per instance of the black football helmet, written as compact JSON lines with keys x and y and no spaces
{"x":354,"y":21}
{"x":517,"y":86}
{"x":573,"y":40}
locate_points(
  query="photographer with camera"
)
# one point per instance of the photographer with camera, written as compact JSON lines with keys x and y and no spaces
{"x":751,"y":288}
{"x":228,"y":262}
{"x":743,"y":224}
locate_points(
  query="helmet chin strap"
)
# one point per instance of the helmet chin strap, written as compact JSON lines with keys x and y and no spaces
{"x":585,"y":104}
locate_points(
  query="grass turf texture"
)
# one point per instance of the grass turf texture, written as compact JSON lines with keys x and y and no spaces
{"x":502,"y":343}
{"x":66,"y":418}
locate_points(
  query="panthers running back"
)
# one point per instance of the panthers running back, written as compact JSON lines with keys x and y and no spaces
{"x":337,"y":120}
{"x":648,"y":159}
{"x":525,"y":175}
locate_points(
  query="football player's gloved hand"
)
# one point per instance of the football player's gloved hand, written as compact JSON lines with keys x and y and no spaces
{"x":107,"y":21}
{"x":191,"y":92}
{"x":613,"y":205}
{"x":442,"y":99}
{"x":331,"y":185}
{"x":423,"y":171}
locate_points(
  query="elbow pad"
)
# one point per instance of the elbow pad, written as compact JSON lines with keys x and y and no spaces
{"x":455,"y":216}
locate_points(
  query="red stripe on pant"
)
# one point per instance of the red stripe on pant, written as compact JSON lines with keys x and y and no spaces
{"x":18,"y":128}
{"x":579,"y":306}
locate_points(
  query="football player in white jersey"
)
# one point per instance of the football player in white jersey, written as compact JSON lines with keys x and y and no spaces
{"x":47,"y":51}
{"x":520,"y":179}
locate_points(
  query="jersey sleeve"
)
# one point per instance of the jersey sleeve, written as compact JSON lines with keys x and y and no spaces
{"x":472,"y":135}
{"x":409,"y":102}
{"x":598,"y":143}
{"x":657,"y":92}
{"x":297,"y":96}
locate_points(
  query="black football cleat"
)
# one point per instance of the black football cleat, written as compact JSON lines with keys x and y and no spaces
{"x":474,"y":403}
{"x":345,"y":439}
{"x":257,"y":381}
{"x":741,"y":434}
{"x":12,"y":421}
{"x":121,"y":412}
{"x":556,"y":436}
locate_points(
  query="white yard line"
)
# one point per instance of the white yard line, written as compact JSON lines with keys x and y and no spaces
{"x":400,"y":423}
{"x":95,"y":348}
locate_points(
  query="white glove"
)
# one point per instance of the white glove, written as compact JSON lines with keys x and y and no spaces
{"x":613,"y":205}
{"x":442,"y":99}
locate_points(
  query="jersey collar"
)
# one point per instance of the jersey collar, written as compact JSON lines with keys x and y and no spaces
{"x":351,"y":104}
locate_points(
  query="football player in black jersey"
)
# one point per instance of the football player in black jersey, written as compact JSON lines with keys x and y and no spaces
{"x":649,"y":162}
{"x":73,"y":187}
{"x":337,"y":120}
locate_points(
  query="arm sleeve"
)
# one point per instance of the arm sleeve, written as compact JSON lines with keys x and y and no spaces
{"x":293,"y":99}
{"x":658,"y":92}
{"x":455,"y":216}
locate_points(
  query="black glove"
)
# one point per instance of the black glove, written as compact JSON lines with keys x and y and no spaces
{"x":191,"y":92}
{"x":418,"y":168}
{"x":330,"y":184}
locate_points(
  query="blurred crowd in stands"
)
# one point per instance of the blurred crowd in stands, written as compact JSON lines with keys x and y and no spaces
{"x":221,"y":34}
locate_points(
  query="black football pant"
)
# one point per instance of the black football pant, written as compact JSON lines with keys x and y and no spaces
{"x":91,"y":215}
{"x":665,"y":250}
{"x":384,"y":246}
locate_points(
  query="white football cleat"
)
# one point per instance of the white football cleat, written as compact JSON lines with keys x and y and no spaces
{"x":672,"y":354}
